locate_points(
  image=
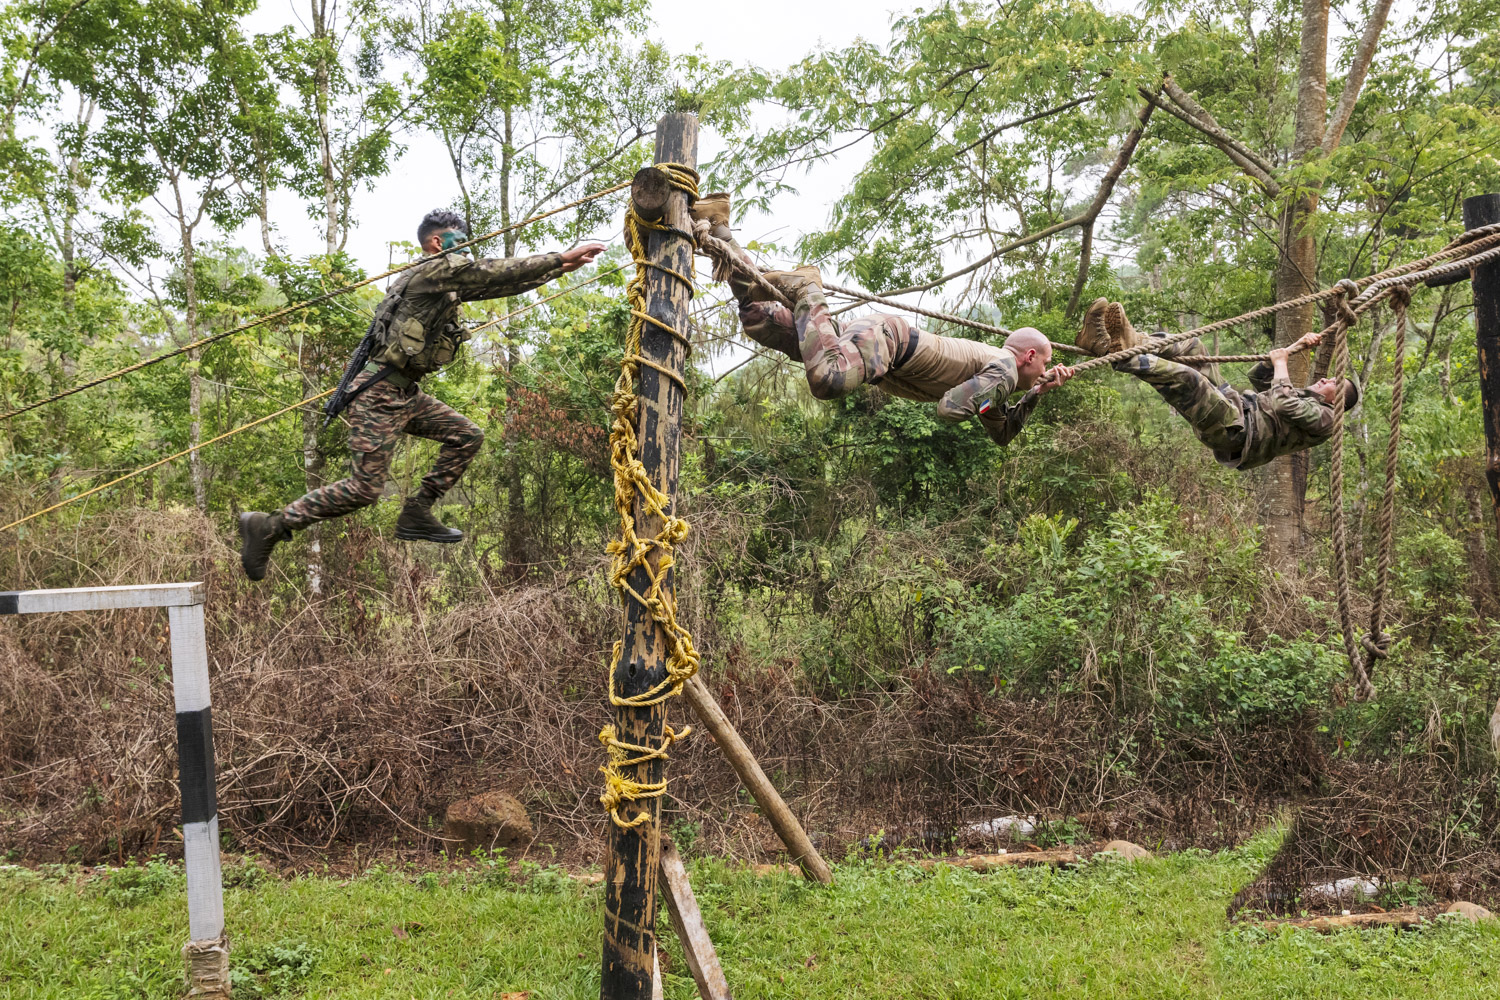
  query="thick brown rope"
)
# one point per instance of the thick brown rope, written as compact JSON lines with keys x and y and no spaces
{"x":1347,"y":317}
{"x":1377,"y":643}
{"x":299,"y":306}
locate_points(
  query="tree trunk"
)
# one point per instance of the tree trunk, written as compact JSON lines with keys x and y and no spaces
{"x":517,"y":537}
{"x":312,"y":457}
{"x":195,"y":385}
{"x":1482,"y":584}
{"x":1284,"y":482}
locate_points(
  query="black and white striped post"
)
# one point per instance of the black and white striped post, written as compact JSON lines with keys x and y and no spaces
{"x":207,"y":950}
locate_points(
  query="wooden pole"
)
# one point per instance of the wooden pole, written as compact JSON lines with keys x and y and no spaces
{"x":772,"y":806}
{"x":634,"y":854}
{"x":1482,"y":210}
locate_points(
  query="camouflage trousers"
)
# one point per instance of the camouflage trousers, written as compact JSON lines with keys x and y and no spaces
{"x":377,"y":419}
{"x":841,"y":359}
{"x":1214,"y":412}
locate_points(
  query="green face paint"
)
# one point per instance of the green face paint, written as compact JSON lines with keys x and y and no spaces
{"x":453,"y":238}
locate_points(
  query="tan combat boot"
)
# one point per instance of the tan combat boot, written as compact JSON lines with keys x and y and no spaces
{"x":712,"y":208}
{"x":1093,"y":337}
{"x":1121,"y":334}
{"x":794,"y":284}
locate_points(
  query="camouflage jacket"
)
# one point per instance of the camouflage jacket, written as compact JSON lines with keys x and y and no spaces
{"x":984,"y":396}
{"x":416,"y":324}
{"x":1279,"y":419}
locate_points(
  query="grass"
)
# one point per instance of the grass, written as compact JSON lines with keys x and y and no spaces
{"x":885,"y":930}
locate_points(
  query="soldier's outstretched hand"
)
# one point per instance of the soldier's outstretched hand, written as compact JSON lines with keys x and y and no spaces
{"x":1054,"y":377}
{"x":1312,"y":339}
{"x":577,"y":257}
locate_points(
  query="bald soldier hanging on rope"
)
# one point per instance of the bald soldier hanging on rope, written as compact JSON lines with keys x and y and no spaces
{"x":965,"y":378}
{"x":1243,"y":430}
{"x":416,"y":330}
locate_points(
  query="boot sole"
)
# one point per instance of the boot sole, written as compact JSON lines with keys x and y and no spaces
{"x":244,"y":541}
{"x":417,"y":536}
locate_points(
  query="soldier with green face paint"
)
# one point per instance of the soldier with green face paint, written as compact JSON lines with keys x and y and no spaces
{"x":416,"y":331}
{"x":966,"y":378}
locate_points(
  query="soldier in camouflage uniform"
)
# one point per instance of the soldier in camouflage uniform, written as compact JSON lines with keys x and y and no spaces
{"x":416,"y":331}
{"x":1243,"y":430}
{"x":966,"y":378}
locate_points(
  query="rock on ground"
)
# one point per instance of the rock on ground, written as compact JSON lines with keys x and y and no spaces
{"x":488,"y":820}
{"x":1472,"y":912}
{"x":1128,"y":851}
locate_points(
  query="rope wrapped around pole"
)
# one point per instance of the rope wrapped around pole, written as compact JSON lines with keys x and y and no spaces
{"x":630,"y":552}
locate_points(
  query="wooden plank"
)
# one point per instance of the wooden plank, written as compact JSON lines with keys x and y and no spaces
{"x":151,"y":595}
{"x":656,"y":989}
{"x":1327,"y":925}
{"x":687,"y":920}
{"x":633,"y":861}
{"x":772,"y":806}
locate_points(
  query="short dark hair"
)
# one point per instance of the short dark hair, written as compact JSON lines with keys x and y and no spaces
{"x":1351,"y":395}
{"x":438,"y":220}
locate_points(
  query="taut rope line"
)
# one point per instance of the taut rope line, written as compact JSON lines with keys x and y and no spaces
{"x":231,"y":433}
{"x":160,"y":462}
{"x":298,"y":306}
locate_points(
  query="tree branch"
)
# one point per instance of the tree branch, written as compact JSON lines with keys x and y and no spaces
{"x":1238,"y":153}
{"x":1101,"y":198}
{"x":1190,"y":104}
{"x":1000,"y":251}
{"x":1085,"y":219}
{"x":1355,"y":81}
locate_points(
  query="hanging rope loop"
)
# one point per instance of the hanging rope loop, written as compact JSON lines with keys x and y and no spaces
{"x":1377,"y":644}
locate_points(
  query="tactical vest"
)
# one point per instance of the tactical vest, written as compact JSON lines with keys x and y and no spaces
{"x":421,"y":334}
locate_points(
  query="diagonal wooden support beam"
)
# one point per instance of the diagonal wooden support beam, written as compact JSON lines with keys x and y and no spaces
{"x":772,"y":805}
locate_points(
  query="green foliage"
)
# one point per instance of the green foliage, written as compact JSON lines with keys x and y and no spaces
{"x":135,"y":883}
{"x":272,"y":970}
{"x":883,"y":929}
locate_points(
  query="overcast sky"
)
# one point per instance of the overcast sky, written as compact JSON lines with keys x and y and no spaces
{"x":768,"y":33}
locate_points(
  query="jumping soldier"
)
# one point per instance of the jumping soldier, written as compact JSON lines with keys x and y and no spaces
{"x":416,"y":330}
{"x":965,"y":378}
{"x":1243,"y":430}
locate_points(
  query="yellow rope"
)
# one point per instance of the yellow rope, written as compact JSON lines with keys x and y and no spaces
{"x":297,"y":306}
{"x":160,"y":462}
{"x":630,"y":551}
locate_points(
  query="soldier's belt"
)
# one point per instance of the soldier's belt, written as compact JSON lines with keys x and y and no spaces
{"x":907,"y":351}
{"x":395,"y":378}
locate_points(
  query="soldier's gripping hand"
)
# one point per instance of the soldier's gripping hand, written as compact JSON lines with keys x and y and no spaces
{"x":577,"y":257}
{"x":1054,"y":377}
{"x":1310,"y":339}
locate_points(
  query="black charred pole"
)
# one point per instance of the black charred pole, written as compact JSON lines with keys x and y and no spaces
{"x":630,"y":900}
{"x":1483,"y":210}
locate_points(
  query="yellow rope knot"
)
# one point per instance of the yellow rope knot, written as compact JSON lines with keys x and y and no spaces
{"x":618,"y":789}
{"x":630,"y":552}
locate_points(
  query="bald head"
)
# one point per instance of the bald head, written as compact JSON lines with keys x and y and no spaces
{"x":1032,"y":351}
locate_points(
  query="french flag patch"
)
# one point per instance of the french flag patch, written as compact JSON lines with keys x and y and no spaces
{"x":984,"y":407}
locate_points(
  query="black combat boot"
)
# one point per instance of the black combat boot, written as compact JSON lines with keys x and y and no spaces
{"x":416,"y":523}
{"x":259,"y":534}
